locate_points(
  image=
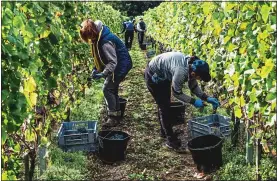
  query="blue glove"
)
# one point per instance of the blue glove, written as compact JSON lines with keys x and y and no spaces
{"x":156,"y":79}
{"x":94,"y":72}
{"x":198,"y":103}
{"x":98,"y":76}
{"x":213,"y":101}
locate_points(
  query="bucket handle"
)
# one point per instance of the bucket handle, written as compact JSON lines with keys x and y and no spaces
{"x":100,"y":143}
{"x":210,"y":147}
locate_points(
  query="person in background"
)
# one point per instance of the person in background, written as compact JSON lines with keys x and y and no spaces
{"x":168,"y":72}
{"x":141,"y":28}
{"x":128,"y":28}
{"x":112,"y":62}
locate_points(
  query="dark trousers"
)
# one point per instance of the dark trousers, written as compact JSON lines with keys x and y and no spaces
{"x":110,"y":90}
{"x":140,"y":37}
{"x":161,"y":92}
{"x":129,"y":36}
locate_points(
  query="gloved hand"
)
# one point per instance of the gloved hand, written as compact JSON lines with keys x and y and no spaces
{"x":213,"y":101}
{"x":98,"y":76}
{"x":94,"y":72}
{"x":156,"y":79}
{"x":198,"y":103}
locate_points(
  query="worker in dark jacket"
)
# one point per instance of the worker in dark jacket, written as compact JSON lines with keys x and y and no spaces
{"x":128,"y":28}
{"x":169,"y":71}
{"x":141,"y":29}
{"x":112,"y":62}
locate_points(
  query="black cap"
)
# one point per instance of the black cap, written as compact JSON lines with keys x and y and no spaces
{"x":201,"y":68}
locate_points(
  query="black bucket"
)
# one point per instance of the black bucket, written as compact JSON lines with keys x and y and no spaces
{"x":176,"y":113}
{"x":206,"y":152}
{"x":122,"y":103}
{"x":112,"y":149}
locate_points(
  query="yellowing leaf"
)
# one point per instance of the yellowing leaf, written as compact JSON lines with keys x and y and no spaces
{"x":29,"y":135}
{"x":266,"y":69}
{"x":230,"y":6}
{"x":45,"y":33}
{"x":206,"y":7}
{"x":226,"y":39}
{"x":243,"y":26}
{"x":217,"y":28}
{"x":30,"y":85}
{"x":235,"y":78}
{"x":5,"y":175}
{"x":33,"y":99}
{"x":263,"y":35}
{"x":242,"y":101}
{"x":231,"y":47}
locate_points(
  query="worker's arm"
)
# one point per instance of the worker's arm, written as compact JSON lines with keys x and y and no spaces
{"x":110,"y":55}
{"x":178,"y":79}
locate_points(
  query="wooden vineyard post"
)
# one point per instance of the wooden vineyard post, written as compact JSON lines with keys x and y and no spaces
{"x":26,"y":166}
{"x":258,"y":158}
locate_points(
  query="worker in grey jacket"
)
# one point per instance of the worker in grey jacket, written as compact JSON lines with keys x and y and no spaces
{"x":169,"y":71}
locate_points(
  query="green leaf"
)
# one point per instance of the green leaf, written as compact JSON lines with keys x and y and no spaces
{"x":4,"y":95}
{"x":6,"y":21}
{"x":265,"y":12}
{"x":255,"y":65}
{"x":3,"y":135}
{"x":270,"y":97}
{"x":238,"y":113}
{"x":17,"y":148}
{"x":52,"y":83}
{"x":42,"y":19}
{"x":250,"y":110}
{"x":53,"y":39}
{"x":30,"y":32}
{"x":17,"y":22}
{"x":11,"y":39}
{"x":9,"y":13}
{"x":44,"y":140}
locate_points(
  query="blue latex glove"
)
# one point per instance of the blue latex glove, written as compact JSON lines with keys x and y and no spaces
{"x":156,"y":79}
{"x":213,"y":101}
{"x":98,"y":76}
{"x":94,"y":72}
{"x":198,"y":103}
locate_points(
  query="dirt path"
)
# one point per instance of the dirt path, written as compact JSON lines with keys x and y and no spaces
{"x":147,"y":157}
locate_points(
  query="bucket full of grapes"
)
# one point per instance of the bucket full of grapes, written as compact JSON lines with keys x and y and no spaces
{"x":112,"y":145}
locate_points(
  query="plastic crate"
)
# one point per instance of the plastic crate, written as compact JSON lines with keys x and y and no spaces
{"x":214,"y":124}
{"x":78,"y":136}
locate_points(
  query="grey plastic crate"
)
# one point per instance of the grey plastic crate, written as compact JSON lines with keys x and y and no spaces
{"x":214,"y":124}
{"x":78,"y":136}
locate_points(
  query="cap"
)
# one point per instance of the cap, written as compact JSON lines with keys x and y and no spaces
{"x":201,"y":68}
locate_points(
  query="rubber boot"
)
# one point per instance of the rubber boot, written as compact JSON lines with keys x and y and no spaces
{"x":113,"y":119}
